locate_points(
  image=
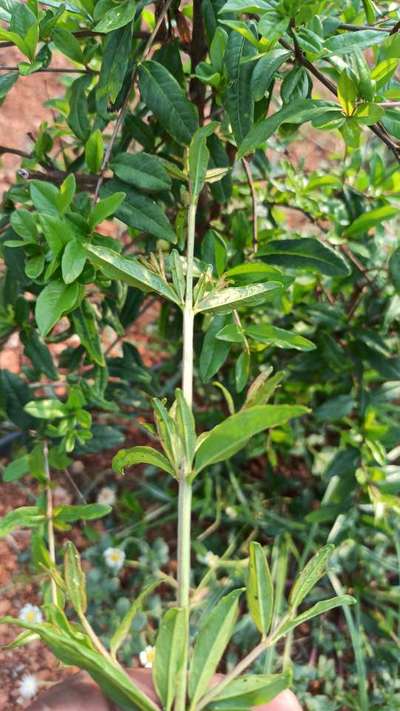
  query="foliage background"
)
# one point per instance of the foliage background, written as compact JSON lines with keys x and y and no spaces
{"x":334,"y":473}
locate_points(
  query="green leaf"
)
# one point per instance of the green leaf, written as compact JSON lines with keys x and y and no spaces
{"x":125,"y":626}
{"x":278,"y":337}
{"x":38,"y":353}
{"x":94,"y":151}
{"x":264,"y":71}
{"x":227,"y":438}
{"x":214,"y":352}
{"x":212,"y":639}
{"x":67,"y":43}
{"x":75,"y":579}
{"x":130,"y":270}
{"x":260,"y":589}
{"x":224,"y":300}
{"x":140,"y":212}
{"x":16,"y":469}
{"x":86,"y":327}
{"x":370,"y":219}
{"x":199,"y":156}
{"x":54,"y":301}
{"x":105,"y":207}
{"x":73,"y":261}
{"x":140,"y":455}
{"x":78,"y":117}
{"x":83,"y":512}
{"x":349,"y":41}
{"x":114,"y":67}
{"x":298,"y":112}
{"x":318,"y":609}
{"x":309,"y":576}
{"x":67,"y":192}
{"x":45,"y":196}
{"x":250,"y":691}
{"x":347,"y":93}
{"x":165,"y":98}
{"x":394,"y":269}
{"x":117,"y":17}
{"x":305,"y":253}
{"x":46,"y":409}
{"x":7,"y":82}
{"x":239,"y":101}
{"x":24,"y":517}
{"x":142,"y":170}
{"x":111,"y":678}
{"x":170,"y":654}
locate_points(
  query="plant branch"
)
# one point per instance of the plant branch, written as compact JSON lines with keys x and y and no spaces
{"x":249,"y":176}
{"x":55,"y":70}
{"x":124,"y":107}
{"x":13,"y":151}
{"x":376,"y":128}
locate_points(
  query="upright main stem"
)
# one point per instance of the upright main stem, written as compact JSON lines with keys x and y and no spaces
{"x":185,"y":487}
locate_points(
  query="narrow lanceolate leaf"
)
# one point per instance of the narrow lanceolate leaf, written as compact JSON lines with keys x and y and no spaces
{"x":260,"y":590}
{"x":371,"y":219}
{"x":210,"y":644}
{"x":308,"y":578}
{"x":165,"y":98}
{"x":85,"y":325}
{"x":224,"y":300}
{"x":140,"y":455}
{"x":125,"y":626}
{"x":299,"y":111}
{"x":227,"y":438}
{"x":306,"y":253}
{"x":131,"y":271}
{"x":75,"y":580}
{"x":239,"y":102}
{"x":318,"y":609}
{"x":278,"y":337}
{"x":24,"y":517}
{"x":199,"y":156}
{"x":170,"y":654}
{"x":250,"y":691}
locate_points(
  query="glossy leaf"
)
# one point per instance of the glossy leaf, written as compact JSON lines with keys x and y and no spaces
{"x":260,"y":590}
{"x":131,"y":271}
{"x":306,"y":253}
{"x":212,"y":639}
{"x":165,"y":98}
{"x":225,"y":300}
{"x":309,"y":576}
{"x":227,"y":438}
{"x":142,"y":170}
{"x":73,"y":261}
{"x":140,"y":455}
{"x":278,"y":337}
{"x":54,"y":301}
{"x":250,"y":691}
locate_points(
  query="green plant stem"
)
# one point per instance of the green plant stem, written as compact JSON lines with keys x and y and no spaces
{"x":50,"y":526}
{"x":185,"y":487}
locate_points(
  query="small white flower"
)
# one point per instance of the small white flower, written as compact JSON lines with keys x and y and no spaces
{"x":231,"y":512}
{"x":147,"y":656}
{"x":114,"y":558}
{"x":106,"y":495}
{"x":211,"y":559}
{"x":31,"y":613}
{"x":28,"y":686}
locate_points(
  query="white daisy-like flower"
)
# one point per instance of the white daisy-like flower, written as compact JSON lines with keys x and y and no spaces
{"x":28,"y":686}
{"x":114,"y":558}
{"x":106,"y":495}
{"x":231,"y":512}
{"x":31,"y":613}
{"x":211,"y":559}
{"x":147,"y":656}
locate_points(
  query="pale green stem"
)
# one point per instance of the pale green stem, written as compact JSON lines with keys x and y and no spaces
{"x":185,"y":487}
{"x":50,"y":525}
